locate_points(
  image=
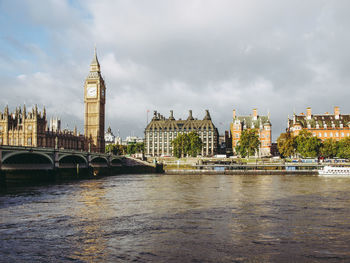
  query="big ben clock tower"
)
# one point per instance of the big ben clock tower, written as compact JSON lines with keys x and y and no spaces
{"x":94,"y":99}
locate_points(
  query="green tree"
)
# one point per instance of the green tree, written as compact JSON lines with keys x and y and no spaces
{"x":344,"y":148}
{"x":131,"y":148}
{"x":195,"y":144}
{"x":140,"y":147}
{"x":329,"y":148}
{"x":181,"y":145}
{"x":286,"y":144}
{"x":248,"y":144}
{"x":187,"y":144}
{"x":307,"y":145}
{"x":115,"y":149}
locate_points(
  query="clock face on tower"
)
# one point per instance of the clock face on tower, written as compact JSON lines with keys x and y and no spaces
{"x":91,"y":90}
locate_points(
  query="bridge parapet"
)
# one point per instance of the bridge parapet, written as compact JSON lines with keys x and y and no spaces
{"x":59,"y":158}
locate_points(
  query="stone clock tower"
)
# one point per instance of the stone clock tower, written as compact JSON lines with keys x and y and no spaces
{"x":94,"y":100}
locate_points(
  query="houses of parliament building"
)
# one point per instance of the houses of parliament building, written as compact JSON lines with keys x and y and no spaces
{"x":30,"y":128}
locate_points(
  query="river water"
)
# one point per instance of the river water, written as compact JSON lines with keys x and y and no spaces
{"x":178,"y":218}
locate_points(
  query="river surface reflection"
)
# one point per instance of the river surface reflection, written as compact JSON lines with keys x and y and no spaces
{"x":177,"y":218}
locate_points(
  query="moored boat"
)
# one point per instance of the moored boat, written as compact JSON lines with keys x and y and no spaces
{"x":334,"y":171}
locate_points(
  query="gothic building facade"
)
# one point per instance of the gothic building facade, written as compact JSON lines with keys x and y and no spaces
{"x":261,"y":123}
{"x":94,"y":99}
{"x":22,"y":128}
{"x":160,"y":132}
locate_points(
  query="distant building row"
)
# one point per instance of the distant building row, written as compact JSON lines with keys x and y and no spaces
{"x":161,"y":131}
{"x":111,"y":139}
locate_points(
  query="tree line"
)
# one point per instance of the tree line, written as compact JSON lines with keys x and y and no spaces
{"x":132,"y":148}
{"x":307,"y":145}
{"x":184,"y":145}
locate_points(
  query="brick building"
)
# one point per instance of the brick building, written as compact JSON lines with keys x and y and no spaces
{"x":261,"y":123}
{"x":324,"y":126}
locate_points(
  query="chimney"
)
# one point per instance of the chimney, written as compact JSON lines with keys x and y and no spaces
{"x":308,"y":113}
{"x":336,"y":112}
{"x":190,"y":115}
{"x":207,"y":115}
{"x":171,"y":115}
{"x":255,"y":114}
{"x":234,"y":114}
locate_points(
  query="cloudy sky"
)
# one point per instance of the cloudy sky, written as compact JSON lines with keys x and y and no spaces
{"x":274,"y":55}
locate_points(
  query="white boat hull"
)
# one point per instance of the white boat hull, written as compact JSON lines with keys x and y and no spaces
{"x":330,"y":171}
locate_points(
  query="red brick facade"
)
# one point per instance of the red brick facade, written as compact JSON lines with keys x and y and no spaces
{"x":254,"y":121}
{"x":324,"y":126}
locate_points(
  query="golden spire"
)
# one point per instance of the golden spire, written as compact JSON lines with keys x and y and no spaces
{"x":95,"y":65}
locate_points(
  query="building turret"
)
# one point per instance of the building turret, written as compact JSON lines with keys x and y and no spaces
{"x":190,"y":117}
{"x":171,"y":115}
{"x":207,"y":115}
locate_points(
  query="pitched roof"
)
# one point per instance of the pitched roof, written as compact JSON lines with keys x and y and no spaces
{"x":159,"y":122}
{"x":320,"y":120}
{"x":249,"y":122}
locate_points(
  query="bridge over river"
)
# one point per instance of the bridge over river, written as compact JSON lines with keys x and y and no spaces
{"x":24,"y":162}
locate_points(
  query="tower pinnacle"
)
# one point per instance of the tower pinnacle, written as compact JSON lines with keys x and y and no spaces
{"x":95,"y":65}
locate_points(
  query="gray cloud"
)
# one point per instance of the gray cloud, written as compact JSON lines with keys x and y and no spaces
{"x":160,"y":55}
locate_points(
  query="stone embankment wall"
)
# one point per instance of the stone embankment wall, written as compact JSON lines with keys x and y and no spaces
{"x":242,"y":172}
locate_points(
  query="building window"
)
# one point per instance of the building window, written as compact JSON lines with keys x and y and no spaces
{"x":336,"y":134}
{"x":325,"y":134}
{"x":1,"y":128}
{"x":342,"y":134}
{"x":29,"y":141}
{"x":319,"y":135}
{"x":314,"y":134}
{"x":29,"y":127}
{"x":331,"y":134}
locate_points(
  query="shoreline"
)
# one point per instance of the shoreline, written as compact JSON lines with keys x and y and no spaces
{"x":241,"y":172}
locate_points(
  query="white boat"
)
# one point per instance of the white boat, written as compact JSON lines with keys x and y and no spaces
{"x":334,"y":171}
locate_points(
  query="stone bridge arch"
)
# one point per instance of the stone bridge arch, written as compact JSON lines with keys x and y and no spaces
{"x":76,"y":158}
{"x":27,"y":157}
{"x":99,"y":161}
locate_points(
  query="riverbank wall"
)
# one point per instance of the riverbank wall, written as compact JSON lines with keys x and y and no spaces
{"x":240,"y":172}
